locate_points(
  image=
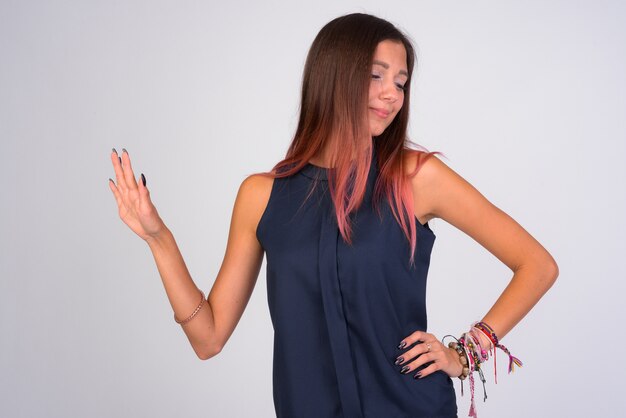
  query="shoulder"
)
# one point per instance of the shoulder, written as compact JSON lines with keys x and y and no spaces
{"x":431,"y":180}
{"x":252,"y":198}
{"x":440,"y":192}
{"x":256,"y":186}
{"x":422,"y":162}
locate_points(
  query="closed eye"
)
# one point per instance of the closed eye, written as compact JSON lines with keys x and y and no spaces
{"x":399,"y":86}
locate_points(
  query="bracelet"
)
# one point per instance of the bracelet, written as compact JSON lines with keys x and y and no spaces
{"x":473,"y":354}
{"x":462,"y":357}
{"x":470,"y":348}
{"x":475,"y":333}
{"x":190,"y":317}
{"x":489,"y":332}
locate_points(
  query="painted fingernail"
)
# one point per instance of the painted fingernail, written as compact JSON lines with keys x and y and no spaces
{"x":111,"y":180}
{"x":405,"y":369}
{"x":114,"y":150}
{"x":399,"y":360}
{"x":143,"y":180}
{"x":402,"y":344}
{"x":417,"y":375}
{"x":124,"y":150}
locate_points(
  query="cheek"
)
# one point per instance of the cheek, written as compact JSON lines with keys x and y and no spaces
{"x":399,"y":104}
{"x":372,"y":93}
{"x":400,"y":101}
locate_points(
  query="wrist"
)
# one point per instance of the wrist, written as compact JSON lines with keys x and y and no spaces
{"x":157,"y":239}
{"x":485,"y":341}
{"x":461,"y":360}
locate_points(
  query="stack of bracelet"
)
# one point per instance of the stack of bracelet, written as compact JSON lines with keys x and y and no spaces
{"x":489,"y":332}
{"x":472,"y":354}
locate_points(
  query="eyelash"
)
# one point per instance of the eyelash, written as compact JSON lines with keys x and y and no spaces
{"x":399,"y":86}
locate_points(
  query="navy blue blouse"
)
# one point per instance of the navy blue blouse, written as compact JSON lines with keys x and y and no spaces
{"x":340,"y":311}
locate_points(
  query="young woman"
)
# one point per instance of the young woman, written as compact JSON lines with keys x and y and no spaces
{"x":343,"y":221}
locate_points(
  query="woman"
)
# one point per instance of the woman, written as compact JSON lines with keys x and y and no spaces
{"x":343,"y":221}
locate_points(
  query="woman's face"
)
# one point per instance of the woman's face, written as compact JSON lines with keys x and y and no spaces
{"x":389,"y":75}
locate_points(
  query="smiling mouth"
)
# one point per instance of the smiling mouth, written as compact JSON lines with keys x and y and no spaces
{"x":380,"y":113}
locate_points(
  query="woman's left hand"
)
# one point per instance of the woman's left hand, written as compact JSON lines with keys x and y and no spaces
{"x":429,"y":350}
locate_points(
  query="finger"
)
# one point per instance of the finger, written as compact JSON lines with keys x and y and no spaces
{"x":417,"y":363}
{"x":424,"y":342}
{"x":129,"y":176}
{"x":144,"y":193}
{"x":425,"y":359}
{"x":116,"y":193}
{"x":418,"y":350}
{"x":119,"y":171}
{"x":426,"y":371}
{"x":415,"y":337}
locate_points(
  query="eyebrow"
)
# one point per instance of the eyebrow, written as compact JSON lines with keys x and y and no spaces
{"x":386,"y":67}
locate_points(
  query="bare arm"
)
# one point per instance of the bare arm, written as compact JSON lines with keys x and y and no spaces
{"x":442,"y":193}
{"x":439,"y":192}
{"x":209,"y":330}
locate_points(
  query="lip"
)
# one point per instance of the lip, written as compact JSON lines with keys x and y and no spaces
{"x":380,"y":112}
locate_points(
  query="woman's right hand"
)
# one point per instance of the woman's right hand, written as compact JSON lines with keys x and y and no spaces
{"x":133,"y":199}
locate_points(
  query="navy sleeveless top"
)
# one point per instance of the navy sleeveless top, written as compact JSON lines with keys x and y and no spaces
{"x":339,"y":311}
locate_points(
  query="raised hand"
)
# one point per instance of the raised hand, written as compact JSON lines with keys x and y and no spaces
{"x":133,"y":199}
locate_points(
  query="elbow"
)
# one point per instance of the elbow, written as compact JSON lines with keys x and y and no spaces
{"x":543,"y":272}
{"x":207,"y":352}
{"x":550,"y":271}
{"x":554,"y":272}
{"x":553,"y":269}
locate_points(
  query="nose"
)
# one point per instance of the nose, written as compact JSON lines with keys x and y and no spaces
{"x":389,"y":92}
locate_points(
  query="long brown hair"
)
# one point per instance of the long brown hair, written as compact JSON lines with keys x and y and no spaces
{"x":334,"y":118}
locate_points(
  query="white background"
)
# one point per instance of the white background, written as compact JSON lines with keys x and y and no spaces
{"x":526,"y":99}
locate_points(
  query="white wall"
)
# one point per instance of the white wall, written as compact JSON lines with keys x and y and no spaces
{"x":527,"y":100}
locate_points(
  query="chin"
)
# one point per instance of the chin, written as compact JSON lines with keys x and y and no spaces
{"x":377,"y":131}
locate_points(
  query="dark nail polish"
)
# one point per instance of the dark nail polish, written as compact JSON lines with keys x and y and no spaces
{"x":405,"y":369}
{"x":143,"y":180}
{"x":418,"y":375}
{"x":111,"y":180}
{"x":114,"y":150}
{"x":399,"y":360}
{"x":402,"y":344}
{"x":124,"y":150}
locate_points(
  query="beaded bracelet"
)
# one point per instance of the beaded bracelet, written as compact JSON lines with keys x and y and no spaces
{"x":462,"y":357}
{"x":190,"y":317}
